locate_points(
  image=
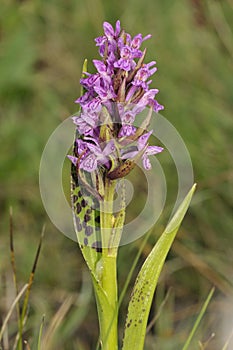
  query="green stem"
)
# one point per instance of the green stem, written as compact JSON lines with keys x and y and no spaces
{"x":108,"y":312}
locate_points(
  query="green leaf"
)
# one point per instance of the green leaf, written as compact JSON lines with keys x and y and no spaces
{"x":143,"y":291}
{"x":198,"y":320}
{"x":40,"y":333}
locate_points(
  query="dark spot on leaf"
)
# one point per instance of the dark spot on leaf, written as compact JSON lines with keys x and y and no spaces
{"x":78,"y":208}
{"x":97,"y":246}
{"x":97,"y":219}
{"x":78,"y":224}
{"x":75,"y":198}
{"x":88,"y":231}
{"x":87,"y":218}
{"x":129,"y":323}
{"x":79,"y":227}
{"x":83,"y":203}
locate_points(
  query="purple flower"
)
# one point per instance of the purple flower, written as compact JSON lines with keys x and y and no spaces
{"x":87,"y":120}
{"x":114,"y":95}
{"x":97,"y":156}
{"x":128,"y":116}
{"x":84,"y":128}
{"x":109,"y":31}
{"x":138,"y":39}
{"x":127,"y":130}
{"x":92,"y":108}
{"x":109,"y":38}
{"x":150,"y":150}
{"x":101,"y":42}
{"x":104,"y":70}
{"x":90,"y":154}
{"x":145,"y":100}
{"x":143,"y":74}
{"x":89,"y":81}
{"x":125,"y":62}
{"x":87,"y":96}
{"x":104,"y":90}
{"x":73,"y":159}
{"x":156,"y":106}
{"x":81,"y":150}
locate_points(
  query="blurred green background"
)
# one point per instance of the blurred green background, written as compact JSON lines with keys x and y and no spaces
{"x":42,"y":47}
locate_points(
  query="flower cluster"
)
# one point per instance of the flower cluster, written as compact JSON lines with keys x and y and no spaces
{"x":113,"y":97}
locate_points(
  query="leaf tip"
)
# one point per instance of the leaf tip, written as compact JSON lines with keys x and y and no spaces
{"x":181,"y":211}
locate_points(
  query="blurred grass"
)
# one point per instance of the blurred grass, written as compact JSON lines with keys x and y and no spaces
{"x":42,"y":47}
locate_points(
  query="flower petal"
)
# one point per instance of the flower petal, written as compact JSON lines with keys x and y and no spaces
{"x":153,"y":150}
{"x":89,"y":163}
{"x":73,"y":159}
{"x":108,"y":30}
{"x":146,"y":162}
{"x":142,"y":141}
{"x":109,"y":148}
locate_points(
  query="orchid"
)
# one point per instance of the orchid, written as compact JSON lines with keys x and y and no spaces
{"x":107,"y":146}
